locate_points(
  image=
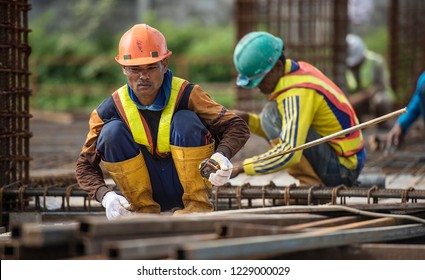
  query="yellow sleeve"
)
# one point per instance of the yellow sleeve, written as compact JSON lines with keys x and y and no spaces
{"x":297,"y":107}
{"x":254,"y":124}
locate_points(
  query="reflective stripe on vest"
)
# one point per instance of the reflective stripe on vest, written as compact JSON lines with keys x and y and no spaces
{"x":310,"y":77}
{"x":138,"y":125}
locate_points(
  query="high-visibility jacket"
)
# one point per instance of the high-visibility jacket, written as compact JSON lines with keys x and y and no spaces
{"x":229,"y":129}
{"x":306,"y":99}
{"x":139,"y":126}
{"x":373,"y":72}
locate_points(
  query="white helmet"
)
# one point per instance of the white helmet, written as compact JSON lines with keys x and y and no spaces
{"x":356,"y":50}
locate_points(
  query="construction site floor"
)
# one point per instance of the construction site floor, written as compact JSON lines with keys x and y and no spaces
{"x":373,"y":222}
{"x":58,"y":138}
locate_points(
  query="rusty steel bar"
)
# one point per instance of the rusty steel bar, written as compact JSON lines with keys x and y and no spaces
{"x":238,"y":229}
{"x":391,"y":251}
{"x":357,"y":209}
{"x":328,"y":222}
{"x":368,"y":251}
{"x":155,"y":224}
{"x":276,"y":245}
{"x":241,"y":229}
{"x":245,"y":229}
{"x":298,"y":192}
{"x":14,"y":92}
{"x":54,"y":190}
{"x":149,"y":248}
{"x":19,"y":252}
{"x":41,"y":235}
{"x":378,"y":222}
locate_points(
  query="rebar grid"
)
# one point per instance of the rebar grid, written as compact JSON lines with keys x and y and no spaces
{"x":312,"y":31}
{"x":14,"y":92}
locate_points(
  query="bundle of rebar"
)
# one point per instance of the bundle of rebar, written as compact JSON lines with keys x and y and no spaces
{"x":14,"y":92}
{"x":234,"y":234}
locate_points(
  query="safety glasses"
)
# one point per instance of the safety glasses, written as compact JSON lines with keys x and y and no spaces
{"x":244,"y":80}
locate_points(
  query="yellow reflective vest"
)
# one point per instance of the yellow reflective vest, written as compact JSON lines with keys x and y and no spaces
{"x":138,"y":125}
{"x":309,"y":77}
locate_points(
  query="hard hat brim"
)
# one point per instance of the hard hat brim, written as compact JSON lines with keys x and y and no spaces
{"x":251,"y":84}
{"x":141,"y":60}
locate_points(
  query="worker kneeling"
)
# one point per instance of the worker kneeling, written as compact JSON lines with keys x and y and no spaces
{"x":302,"y":105}
{"x":152,"y":134}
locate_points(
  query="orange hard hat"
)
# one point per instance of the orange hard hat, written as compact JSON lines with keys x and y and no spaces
{"x":141,"y":45}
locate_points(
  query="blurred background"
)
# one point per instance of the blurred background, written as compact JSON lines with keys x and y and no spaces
{"x":74,"y":42}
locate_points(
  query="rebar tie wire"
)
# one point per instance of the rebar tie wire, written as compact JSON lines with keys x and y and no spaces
{"x":369,"y":194}
{"x":323,"y":207}
{"x":404,"y":194}
{"x":335,"y":194}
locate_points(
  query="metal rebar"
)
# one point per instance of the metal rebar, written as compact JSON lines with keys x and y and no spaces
{"x":277,"y":245}
{"x":270,"y":191}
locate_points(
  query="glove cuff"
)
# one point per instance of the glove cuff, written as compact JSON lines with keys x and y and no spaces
{"x":108,"y":197}
{"x":218,"y":157}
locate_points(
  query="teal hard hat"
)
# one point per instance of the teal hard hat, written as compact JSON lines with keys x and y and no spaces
{"x":254,"y":56}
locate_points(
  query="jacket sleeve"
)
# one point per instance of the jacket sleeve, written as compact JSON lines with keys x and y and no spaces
{"x":297,"y":108}
{"x":88,"y":172}
{"x":413,"y":108}
{"x":254,"y":123}
{"x":232,"y":130}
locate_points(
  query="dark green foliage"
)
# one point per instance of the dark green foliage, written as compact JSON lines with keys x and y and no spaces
{"x":72,"y":61}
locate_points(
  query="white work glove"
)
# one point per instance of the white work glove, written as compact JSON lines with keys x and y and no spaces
{"x":222,"y":175}
{"x":115,"y":205}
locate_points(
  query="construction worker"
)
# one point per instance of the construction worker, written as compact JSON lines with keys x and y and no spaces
{"x":152,"y":134}
{"x":367,"y":78}
{"x":303,"y":105}
{"x":415,"y":108}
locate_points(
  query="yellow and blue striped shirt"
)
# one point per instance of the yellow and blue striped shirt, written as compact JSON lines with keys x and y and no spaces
{"x":306,"y":98}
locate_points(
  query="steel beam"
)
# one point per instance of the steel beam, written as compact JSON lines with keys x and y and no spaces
{"x":297,"y":192}
{"x":368,"y":251}
{"x":41,"y":235}
{"x":150,"y":248}
{"x":275,"y":245}
{"x":159,"y":225}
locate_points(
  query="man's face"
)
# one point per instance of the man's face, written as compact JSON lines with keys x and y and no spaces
{"x":268,"y":84}
{"x":146,"y":80}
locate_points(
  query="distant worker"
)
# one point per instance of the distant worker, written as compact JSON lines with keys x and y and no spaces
{"x":367,"y":79}
{"x":303,"y":105}
{"x":415,"y":108}
{"x":152,"y":134}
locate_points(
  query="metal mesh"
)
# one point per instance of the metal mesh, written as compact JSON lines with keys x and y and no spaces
{"x":407,"y":45}
{"x":14,"y":92}
{"x":312,"y":31}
